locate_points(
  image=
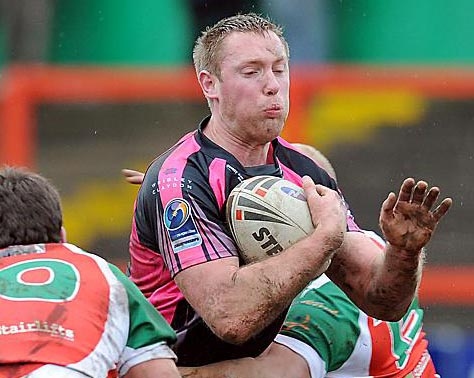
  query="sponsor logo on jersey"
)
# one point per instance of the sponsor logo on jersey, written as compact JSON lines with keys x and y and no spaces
{"x":171,"y":183}
{"x":176,"y":213}
{"x":170,"y":171}
{"x":180,"y":224}
{"x":37,"y":326}
{"x":235,"y":172}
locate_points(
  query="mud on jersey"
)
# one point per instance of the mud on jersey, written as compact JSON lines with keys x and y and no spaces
{"x":179,"y":222}
{"x":338,"y":340}
{"x":63,"y":307}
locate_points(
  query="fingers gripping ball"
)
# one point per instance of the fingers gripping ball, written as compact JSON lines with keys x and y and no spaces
{"x":267,"y":214}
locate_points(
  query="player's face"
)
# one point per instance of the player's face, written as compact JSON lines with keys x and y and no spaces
{"x":253,"y":92}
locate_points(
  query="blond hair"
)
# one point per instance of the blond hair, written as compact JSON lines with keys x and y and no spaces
{"x":207,"y":49}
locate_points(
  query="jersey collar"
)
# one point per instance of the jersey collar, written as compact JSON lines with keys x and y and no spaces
{"x":15,"y":250}
{"x":215,"y":151}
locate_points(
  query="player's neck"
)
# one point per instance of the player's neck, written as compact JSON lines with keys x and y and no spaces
{"x":249,"y":155}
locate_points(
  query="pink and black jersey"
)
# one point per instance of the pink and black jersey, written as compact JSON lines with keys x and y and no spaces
{"x":179,"y":221}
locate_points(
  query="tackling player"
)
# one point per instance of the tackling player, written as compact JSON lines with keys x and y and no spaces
{"x":66,"y":313}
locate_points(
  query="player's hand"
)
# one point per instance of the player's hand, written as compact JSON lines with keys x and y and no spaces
{"x":132,"y":176}
{"x":409,"y":220}
{"x":328,"y":211}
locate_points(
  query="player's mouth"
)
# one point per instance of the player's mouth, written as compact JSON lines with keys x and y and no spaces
{"x":274,"y":110}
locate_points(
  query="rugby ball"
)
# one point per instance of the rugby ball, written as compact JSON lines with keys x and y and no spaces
{"x":267,"y":214}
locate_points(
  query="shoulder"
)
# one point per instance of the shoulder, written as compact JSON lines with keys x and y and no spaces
{"x":324,"y":318}
{"x":303,"y":165}
{"x":179,"y":151}
{"x":175,"y":170}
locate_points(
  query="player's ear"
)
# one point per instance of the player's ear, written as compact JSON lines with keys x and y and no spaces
{"x":208,"y":83}
{"x":63,"y":235}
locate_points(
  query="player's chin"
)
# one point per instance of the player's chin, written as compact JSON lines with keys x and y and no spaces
{"x":274,"y":122}
{"x":274,"y":128}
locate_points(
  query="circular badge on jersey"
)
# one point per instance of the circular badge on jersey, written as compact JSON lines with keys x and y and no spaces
{"x":176,"y":213}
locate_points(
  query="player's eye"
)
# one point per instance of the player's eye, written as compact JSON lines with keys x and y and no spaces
{"x":279,"y":69}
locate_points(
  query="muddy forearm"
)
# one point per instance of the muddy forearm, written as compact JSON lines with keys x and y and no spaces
{"x":396,"y":281}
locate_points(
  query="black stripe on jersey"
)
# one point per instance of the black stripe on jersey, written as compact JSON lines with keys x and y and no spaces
{"x":228,"y":209}
{"x":164,"y":242}
{"x":200,"y":225}
{"x":205,"y":230}
{"x":303,"y":165}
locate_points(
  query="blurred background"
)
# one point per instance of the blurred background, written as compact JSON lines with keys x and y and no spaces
{"x":384,"y":89}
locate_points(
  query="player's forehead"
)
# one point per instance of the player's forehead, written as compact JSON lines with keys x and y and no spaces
{"x":240,"y":47}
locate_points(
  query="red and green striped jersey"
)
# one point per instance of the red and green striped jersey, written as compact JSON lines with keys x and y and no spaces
{"x":338,"y":340}
{"x":66,"y":312}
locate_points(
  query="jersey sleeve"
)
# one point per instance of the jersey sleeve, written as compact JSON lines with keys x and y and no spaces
{"x":316,"y":365}
{"x":200,"y":236}
{"x":149,"y":336}
{"x":179,"y":210}
{"x":325,"y":320}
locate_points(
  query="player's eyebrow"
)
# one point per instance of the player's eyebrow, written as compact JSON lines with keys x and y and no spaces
{"x":258,"y":61}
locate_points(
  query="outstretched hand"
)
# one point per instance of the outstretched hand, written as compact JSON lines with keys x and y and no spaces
{"x":409,"y":220}
{"x":132,"y":176}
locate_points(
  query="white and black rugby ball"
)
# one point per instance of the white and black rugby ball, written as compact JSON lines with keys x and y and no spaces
{"x":267,"y":214}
